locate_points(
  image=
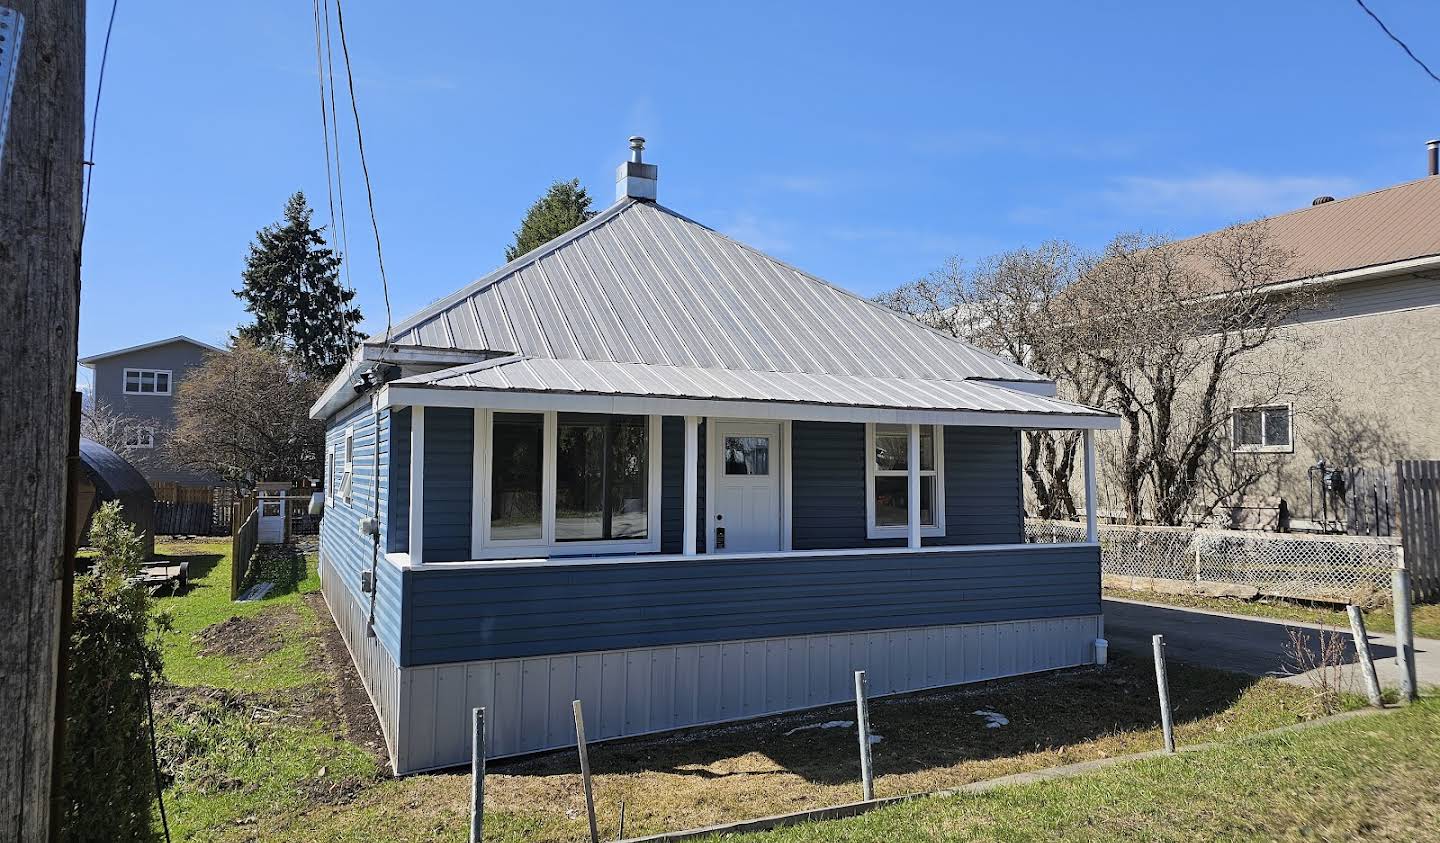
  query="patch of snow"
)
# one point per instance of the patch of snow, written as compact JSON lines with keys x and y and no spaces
{"x":993,"y":719}
{"x":829,"y":724}
{"x":876,"y":739}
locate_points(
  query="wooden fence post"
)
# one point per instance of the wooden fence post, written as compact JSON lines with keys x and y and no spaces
{"x":585,"y":770}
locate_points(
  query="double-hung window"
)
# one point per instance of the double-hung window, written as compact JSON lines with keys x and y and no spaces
{"x":887,"y":480}
{"x":1264,"y":429}
{"x":347,"y":475}
{"x":139,"y":436}
{"x":147,"y":381}
{"x":569,"y":483}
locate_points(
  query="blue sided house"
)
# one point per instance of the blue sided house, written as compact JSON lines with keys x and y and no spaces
{"x":653,"y":469}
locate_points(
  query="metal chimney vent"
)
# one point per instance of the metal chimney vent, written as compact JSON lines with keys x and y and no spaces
{"x":1321,"y":200}
{"x":634,"y":179}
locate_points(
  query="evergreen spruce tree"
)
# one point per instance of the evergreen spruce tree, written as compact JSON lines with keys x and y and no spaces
{"x":292,"y":287}
{"x":564,"y":206}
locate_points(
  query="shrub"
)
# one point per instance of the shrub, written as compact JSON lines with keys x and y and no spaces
{"x":107,"y":774}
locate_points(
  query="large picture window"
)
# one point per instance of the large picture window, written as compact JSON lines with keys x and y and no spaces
{"x":568,"y":483}
{"x":601,"y":478}
{"x":147,"y":381}
{"x":887,"y":475}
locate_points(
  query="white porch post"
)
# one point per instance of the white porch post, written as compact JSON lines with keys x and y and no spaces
{"x":692,"y":484}
{"x":417,"y":485}
{"x":1092,"y":532}
{"x":912,"y":461}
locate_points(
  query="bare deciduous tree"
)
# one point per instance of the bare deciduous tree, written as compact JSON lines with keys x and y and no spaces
{"x":245,"y":416}
{"x":1006,"y":305}
{"x":121,"y":433}
{"x":1180,"y":333}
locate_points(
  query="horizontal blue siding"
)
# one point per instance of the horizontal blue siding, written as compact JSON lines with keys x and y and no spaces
{"x":343,"y":550}
{"x":449,"y":484}
{"x":504,"y":613}
{"x":982,"y":487}
{"x":672,"y":486}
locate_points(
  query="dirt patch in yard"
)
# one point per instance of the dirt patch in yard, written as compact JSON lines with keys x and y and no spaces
{"x":352,"y":703}
{"x":248,"y":638}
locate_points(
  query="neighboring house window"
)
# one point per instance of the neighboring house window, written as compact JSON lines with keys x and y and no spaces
{"x":887,"y":480}
{"x":570,"y":480}
{"x":347,"y":475}
{"x":139,"y":437}
{"x":1264,"y":429}
{"x":147,"y":381}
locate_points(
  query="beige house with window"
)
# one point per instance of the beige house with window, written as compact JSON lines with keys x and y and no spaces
{"x":1366,"y":390}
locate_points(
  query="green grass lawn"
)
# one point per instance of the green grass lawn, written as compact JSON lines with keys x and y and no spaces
{"x":246,"y":724}
{"x":1425,"y":619}
{"x":1375,"y":778}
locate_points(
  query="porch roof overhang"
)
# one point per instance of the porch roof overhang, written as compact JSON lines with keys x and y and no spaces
{"x":521,"y":383}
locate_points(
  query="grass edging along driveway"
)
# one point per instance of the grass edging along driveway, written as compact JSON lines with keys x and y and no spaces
{"x":1425,"y":619}
{"x":854,"y":809}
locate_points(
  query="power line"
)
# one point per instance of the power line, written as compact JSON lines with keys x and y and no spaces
{"x":324,"y":118}
{"x":335,"y":135}
{"x":1393,"y":37}
{"x":364,"y":168}
{"x":95,"y":122}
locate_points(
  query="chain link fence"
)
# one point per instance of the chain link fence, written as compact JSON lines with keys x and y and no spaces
{"x":1292,"y":565}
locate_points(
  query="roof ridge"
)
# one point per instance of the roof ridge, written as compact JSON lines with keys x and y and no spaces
{"x":904,"y":318}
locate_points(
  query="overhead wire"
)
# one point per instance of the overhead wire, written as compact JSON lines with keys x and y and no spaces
{"x":95,"y":122}
{"x":1396,"y":39}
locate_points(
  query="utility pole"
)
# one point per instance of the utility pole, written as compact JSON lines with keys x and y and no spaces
{"x":40,"y":205}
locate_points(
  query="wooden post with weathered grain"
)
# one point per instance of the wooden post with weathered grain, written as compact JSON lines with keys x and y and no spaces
{"x":477,"y":775}
{"x":40,"y":225}
{"x":1362,"y":652}
{"x":862,"y":726}
{"x":585,"y":770}
{"x":1162,"y":684}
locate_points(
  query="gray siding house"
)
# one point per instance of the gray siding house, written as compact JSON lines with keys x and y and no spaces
{"x":650,"y":468}
{"x":140,"y":383}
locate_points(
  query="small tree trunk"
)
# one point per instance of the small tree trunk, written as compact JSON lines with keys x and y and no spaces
{"x":40,"y":180}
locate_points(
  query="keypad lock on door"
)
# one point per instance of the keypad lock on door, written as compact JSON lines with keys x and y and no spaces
{"x":720,"y":533}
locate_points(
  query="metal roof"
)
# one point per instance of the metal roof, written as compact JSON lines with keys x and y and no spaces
{"x":640,"y":283}
{"x":589,"y":377}
{"x":86,"y":361}
{"x":1395,"y":224}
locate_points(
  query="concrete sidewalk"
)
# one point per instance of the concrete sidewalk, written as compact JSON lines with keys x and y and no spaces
{"x":1243,"y":644}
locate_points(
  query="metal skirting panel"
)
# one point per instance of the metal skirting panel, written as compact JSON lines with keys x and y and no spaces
{"x":378,"y":670}
{"x":654,"y":689}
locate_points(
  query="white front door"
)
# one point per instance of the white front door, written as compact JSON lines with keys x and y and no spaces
{"x":272,"y":519}
{"x":746,"y":512}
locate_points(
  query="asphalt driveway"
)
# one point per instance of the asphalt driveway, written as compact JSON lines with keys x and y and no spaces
{"x":1256,"y":646}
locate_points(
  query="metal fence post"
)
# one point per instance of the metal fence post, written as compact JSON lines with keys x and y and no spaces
{"x":1404,"y":635}
{"x":1162,"y":683}
{"x":862,"y":722}
{"x":1362,"y":651}
{"x":585,"y":770}
{"x":477,"y":776}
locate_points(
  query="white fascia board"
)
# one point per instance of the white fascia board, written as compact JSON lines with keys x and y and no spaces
{"x":394,"y":395}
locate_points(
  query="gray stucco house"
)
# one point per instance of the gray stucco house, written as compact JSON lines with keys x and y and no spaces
{"x":651,"y":468}
{"x":140,"y":383}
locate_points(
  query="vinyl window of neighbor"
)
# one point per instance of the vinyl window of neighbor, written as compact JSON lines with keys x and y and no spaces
{"x":887,"y":480}
{"x":147,"y":381}
{"x":139,"y":437}
{"x":1265,"y":429}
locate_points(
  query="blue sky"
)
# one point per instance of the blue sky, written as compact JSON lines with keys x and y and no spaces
{"x":862,"y":142}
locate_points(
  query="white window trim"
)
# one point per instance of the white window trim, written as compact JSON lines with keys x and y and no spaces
{"x":347,"y":477}
{"x":169,"y":381}
{"x":144,"y":441}
{"x":874,"y":531}
{"x":1238,"y":448}
{"x":483,"y":547}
